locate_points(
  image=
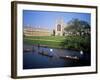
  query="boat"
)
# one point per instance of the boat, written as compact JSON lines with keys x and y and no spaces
{"x":45,"y":54}
{"x":69,"y":57}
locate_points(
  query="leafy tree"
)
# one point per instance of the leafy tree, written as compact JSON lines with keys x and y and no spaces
{"x":76,"y":25}
{"x":82,"y":41}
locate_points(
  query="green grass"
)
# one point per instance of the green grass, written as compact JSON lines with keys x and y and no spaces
{"x":55,"y":38}
{"x":51,"y":41}
{"x":69,"y":42}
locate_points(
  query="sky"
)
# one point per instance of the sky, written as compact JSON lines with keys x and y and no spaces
{"x":47,"y":19}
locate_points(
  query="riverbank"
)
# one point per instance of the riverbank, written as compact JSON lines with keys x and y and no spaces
{"x":66,"y":42}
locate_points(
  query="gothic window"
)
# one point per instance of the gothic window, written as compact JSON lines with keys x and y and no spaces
{"x":58,"y":27}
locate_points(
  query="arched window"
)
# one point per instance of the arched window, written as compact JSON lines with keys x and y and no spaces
{"x":58,"y":27}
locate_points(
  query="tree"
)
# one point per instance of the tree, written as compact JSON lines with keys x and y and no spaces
{"x":77,"y":26}
{"x":80,"y":41}
{"x":53,"y":32}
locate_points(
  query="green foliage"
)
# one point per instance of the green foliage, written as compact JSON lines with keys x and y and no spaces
{"x":76,"y":25}
{"x":77,"y":43}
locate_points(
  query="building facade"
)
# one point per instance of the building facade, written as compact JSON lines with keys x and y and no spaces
{"x":29,"y":31}
{"x":59,"y":27}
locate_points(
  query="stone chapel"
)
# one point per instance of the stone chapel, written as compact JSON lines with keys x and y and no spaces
{"x":59,"y":27}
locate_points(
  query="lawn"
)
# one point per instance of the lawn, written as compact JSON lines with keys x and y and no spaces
{"x":68,"y":42}
{"x":51,"y":41}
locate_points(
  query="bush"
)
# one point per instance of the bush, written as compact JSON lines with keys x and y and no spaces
{"x":77,"y":43}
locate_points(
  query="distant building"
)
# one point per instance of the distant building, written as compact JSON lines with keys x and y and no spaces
{"x":57,"y":31}
{"x":29,"y":31}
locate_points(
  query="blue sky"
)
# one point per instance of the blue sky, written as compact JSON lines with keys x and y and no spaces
{"x":47,"y":19}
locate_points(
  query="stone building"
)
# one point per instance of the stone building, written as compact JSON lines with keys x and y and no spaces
{"x":59,"y":28}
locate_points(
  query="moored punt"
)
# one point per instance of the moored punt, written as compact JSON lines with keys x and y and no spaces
{"x":69,"y":57}
{"x":45,"y":54}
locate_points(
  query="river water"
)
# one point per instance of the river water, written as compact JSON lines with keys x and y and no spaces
{"x":33,"y":60}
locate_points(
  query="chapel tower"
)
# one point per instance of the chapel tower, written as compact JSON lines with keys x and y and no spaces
{"x":59,"y":29}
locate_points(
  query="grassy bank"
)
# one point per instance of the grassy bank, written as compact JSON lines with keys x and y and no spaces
{"x":68,"y":42}
{"x":51,"y":41}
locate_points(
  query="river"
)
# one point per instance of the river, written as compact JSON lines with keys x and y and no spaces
{"x":33,"y":60}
